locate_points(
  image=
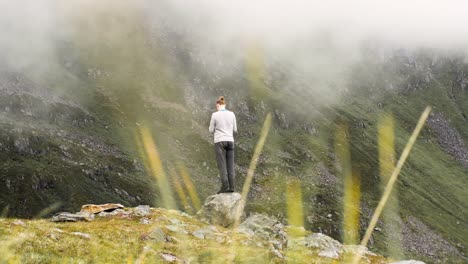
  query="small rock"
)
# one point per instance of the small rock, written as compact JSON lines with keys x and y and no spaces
{"x":19,"y":223}
{"x":169,"y":257}
{"x":329,"y":215}
{"x":175,"y":229}
{"x":145,"y":221}
{"x":157,"y":235}
{"x":203,"y":233}
{"x":52,"y":236}
{"x":377,"y":229}
{"x":175,"y":221}
{"x":199,"y":234}
{"x":58,"y":230}
{"x":82,"y":235}
{"x":172,"y":239}
{"x":142,"y":210}
{"x":69,"y":217}
{"x":220,"y":239}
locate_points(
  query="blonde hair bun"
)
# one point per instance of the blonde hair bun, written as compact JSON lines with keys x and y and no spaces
{"x":221,"y":100}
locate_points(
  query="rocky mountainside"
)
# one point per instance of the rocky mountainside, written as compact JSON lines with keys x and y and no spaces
{"x":72,"y":125}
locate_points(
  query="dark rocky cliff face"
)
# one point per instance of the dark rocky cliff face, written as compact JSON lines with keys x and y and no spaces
{"x":69,"y":134}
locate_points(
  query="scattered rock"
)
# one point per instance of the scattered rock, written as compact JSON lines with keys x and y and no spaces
{"x":82,"y":235}
{"x":221,"y":209}
{"x":52,"y":236}
{"x":19,"y":223}
{"x":198,"y":234}
{"x":145,"y":221}
{"x":175,"y":221}
{"x":58,"y":230}
{"x":421,"y":239}
{"x":448,"y":137}
{"x":220,"y":239}
{"x":260,"y":230}
{"x":142,"y":210}
{"x":176,"y":229}
{"x":69,"y":217}
{"x":157,"y":235}
{"x":203,"y":233}
{"x":95,"y":208}
{"x":169,"y":257}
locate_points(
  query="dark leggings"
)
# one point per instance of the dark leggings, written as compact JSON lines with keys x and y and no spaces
{"x":225,"y":158}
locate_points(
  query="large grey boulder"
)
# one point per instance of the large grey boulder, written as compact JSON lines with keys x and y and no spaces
{"x":221,"y":209}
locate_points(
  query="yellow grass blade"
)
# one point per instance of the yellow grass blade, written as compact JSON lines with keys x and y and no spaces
{"x":180,"y":190}
{"x":387,"y":165}
{"x":351,"y":187}
{"x":192,"y":191}
{"x":156,"y":168}
{"x":294,"y":203}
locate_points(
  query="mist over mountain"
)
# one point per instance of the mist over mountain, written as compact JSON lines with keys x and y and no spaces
{"x":80,"y":82}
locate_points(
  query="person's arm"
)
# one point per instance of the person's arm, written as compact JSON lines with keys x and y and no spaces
{"x":235,"y":124}
{"x":212,"y":124}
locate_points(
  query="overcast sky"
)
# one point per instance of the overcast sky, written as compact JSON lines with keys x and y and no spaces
{"x":433,"y":23}
{"x":26,"y":25}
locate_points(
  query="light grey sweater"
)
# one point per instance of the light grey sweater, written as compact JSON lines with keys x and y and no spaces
{"x":223,"y":125}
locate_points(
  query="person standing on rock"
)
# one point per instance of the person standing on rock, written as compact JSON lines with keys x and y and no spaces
{"x":223,"y":125}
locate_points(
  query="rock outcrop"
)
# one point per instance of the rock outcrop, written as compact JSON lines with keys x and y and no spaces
{"x":221,"y":209}
{"x":281,"y":243}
